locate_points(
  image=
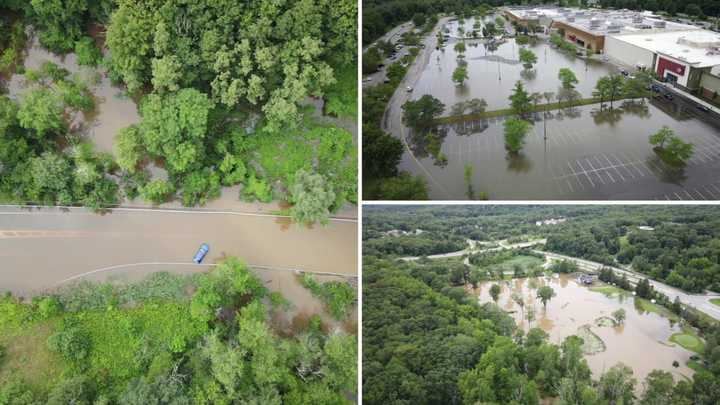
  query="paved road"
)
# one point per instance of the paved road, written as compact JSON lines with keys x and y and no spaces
{"x":699,"y":301}
{"x":392,"y":36}
{"x":40,"y":248}
{"x":473,"y":249}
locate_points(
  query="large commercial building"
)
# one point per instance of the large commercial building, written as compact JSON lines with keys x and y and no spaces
{"x":682,"y":54}
{"x":679,"y":57}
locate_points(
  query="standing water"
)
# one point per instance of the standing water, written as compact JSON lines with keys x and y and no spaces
{"x":641,"y":342}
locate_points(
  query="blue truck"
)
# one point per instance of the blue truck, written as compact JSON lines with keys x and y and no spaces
{"x":201,"y":253}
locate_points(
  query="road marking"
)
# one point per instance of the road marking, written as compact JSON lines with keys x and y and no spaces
{"x":255,"y":266}
{"x":155,"y":210}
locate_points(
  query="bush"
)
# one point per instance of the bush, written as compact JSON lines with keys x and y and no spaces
{"x":71,"y":342}
{"x":339,"y":297}
{"x":87,"y":53}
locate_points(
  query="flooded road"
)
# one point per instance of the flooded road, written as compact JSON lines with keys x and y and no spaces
{"x":588,"y":153}
{"x":113,"y":109}
{"x":641,"y":342}
{"x":40,"y":249}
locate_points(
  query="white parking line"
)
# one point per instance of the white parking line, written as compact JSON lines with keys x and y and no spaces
{"x":593,"y":169}
{"x":592,"y":183}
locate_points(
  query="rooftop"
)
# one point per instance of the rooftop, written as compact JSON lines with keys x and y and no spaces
{"x":602,"y":22}
{"x":699,"y":48}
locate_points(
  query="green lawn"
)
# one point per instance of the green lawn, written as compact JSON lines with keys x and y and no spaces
{"x":689,"y":340}
{"x":648,"y":306}
{"x":715,"y":301}
{"x":608,"y":290}
{"x":524,"y":261}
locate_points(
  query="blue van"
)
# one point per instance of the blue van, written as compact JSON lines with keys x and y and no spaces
{"x":200,"y":255}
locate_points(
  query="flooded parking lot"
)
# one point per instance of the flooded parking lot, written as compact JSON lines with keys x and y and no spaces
{"x":576,"y":309}
{"x":574,"y":153}
{"x":493,"y":71}
{"x":586,"y":154}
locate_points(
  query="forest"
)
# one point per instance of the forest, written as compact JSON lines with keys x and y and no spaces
{"x":683,"y":249}
{"x":206,"y":338}
{"x":224,"y":91}
{"x":428,"y":340}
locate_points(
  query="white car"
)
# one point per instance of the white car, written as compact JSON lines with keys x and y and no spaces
{"x":367,"y":79}
{"x":409,"y":89}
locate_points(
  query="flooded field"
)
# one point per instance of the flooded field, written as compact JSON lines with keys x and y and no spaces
{"x":113,"y":109}
{"x":574,"y":153}
{"x":641,"y":342}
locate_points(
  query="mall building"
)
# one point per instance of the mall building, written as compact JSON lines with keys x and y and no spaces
{"x":683,"y":54}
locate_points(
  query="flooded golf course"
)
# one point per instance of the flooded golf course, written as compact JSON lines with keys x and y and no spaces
{"x":641,"y":342}
{"x":573,"y":153}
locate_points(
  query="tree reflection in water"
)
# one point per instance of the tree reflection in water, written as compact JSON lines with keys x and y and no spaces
{"x":518,"y":162}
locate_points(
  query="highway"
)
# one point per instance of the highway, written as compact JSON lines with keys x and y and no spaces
{"x":698,"y":301}
{"x":42,"y":248}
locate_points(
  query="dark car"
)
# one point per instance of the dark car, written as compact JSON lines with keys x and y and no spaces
{"x":668,"y":96}
{"x":655,"y":88}
{"x":703,"y":108}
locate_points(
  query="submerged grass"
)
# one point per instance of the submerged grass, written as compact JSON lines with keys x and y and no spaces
{"x":509,"y":111}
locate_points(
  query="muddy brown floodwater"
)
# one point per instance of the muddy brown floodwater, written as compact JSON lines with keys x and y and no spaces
{"x":642,"y":342}
{"x":113,"y":109}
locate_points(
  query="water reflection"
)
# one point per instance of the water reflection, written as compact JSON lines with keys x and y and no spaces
{"x":518,"y":162}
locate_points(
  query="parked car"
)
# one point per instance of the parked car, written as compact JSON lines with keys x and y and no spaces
{"x":703,"y":108}
{"x":409,"y":89}
{"x":201,"y":253}
{"x":624,"y":72}
{"x":655,"y":88}
{"x":668,"y":96}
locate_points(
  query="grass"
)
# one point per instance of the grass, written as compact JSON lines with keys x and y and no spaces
{"x":689,"y":340}
{"x":338,"y":297}
{"x":28,"y":357}
{"x":715,"y":301}
{"x":525,"y":262}
{"x":647,"y":306}
{"x":510,"y":111}
{"x":608,"y":290}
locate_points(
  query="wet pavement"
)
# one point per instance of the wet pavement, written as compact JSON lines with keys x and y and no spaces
{"x":42,"y":248}
{"x":641,"y":342}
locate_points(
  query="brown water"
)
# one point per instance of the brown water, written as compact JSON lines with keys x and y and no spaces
{"x":41,"y":249}
{"x":113,"y":110}
{"x":641,"y":343}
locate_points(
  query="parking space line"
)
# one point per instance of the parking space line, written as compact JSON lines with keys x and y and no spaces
{"x":592,"y":183}
{"x":593,"y":169}
{"x":688,"y":194}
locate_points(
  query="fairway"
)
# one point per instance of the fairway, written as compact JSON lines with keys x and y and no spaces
{"x":688,"y":341}
{"x":523,"y":261}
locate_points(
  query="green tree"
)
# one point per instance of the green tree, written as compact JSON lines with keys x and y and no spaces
{"x":527,"y":57}
{"x":495,"y":292}
{"x":87,"y":53}
{"x":619,"y":316}
{"x":658,"y":388}
{"x":42,"y":111}
{"x":166,"y":74}
{"x":520,"y":100}
{"x":311,"y":197}
{"x":76,"y":390}
{"x":567,"y":78}
{"x":515,"y":132}
{"x":50,"y":174}
{"x":460,"y":48}
{"x":420,"y":114}
{"x":129,"y":148}
{"x":174,"y":127}
{"x":545,"y":294}
{"x":460,"y":75}
{"x":157,"y":191}
{"x":670,"y":147}
{"x":617,"y":385}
